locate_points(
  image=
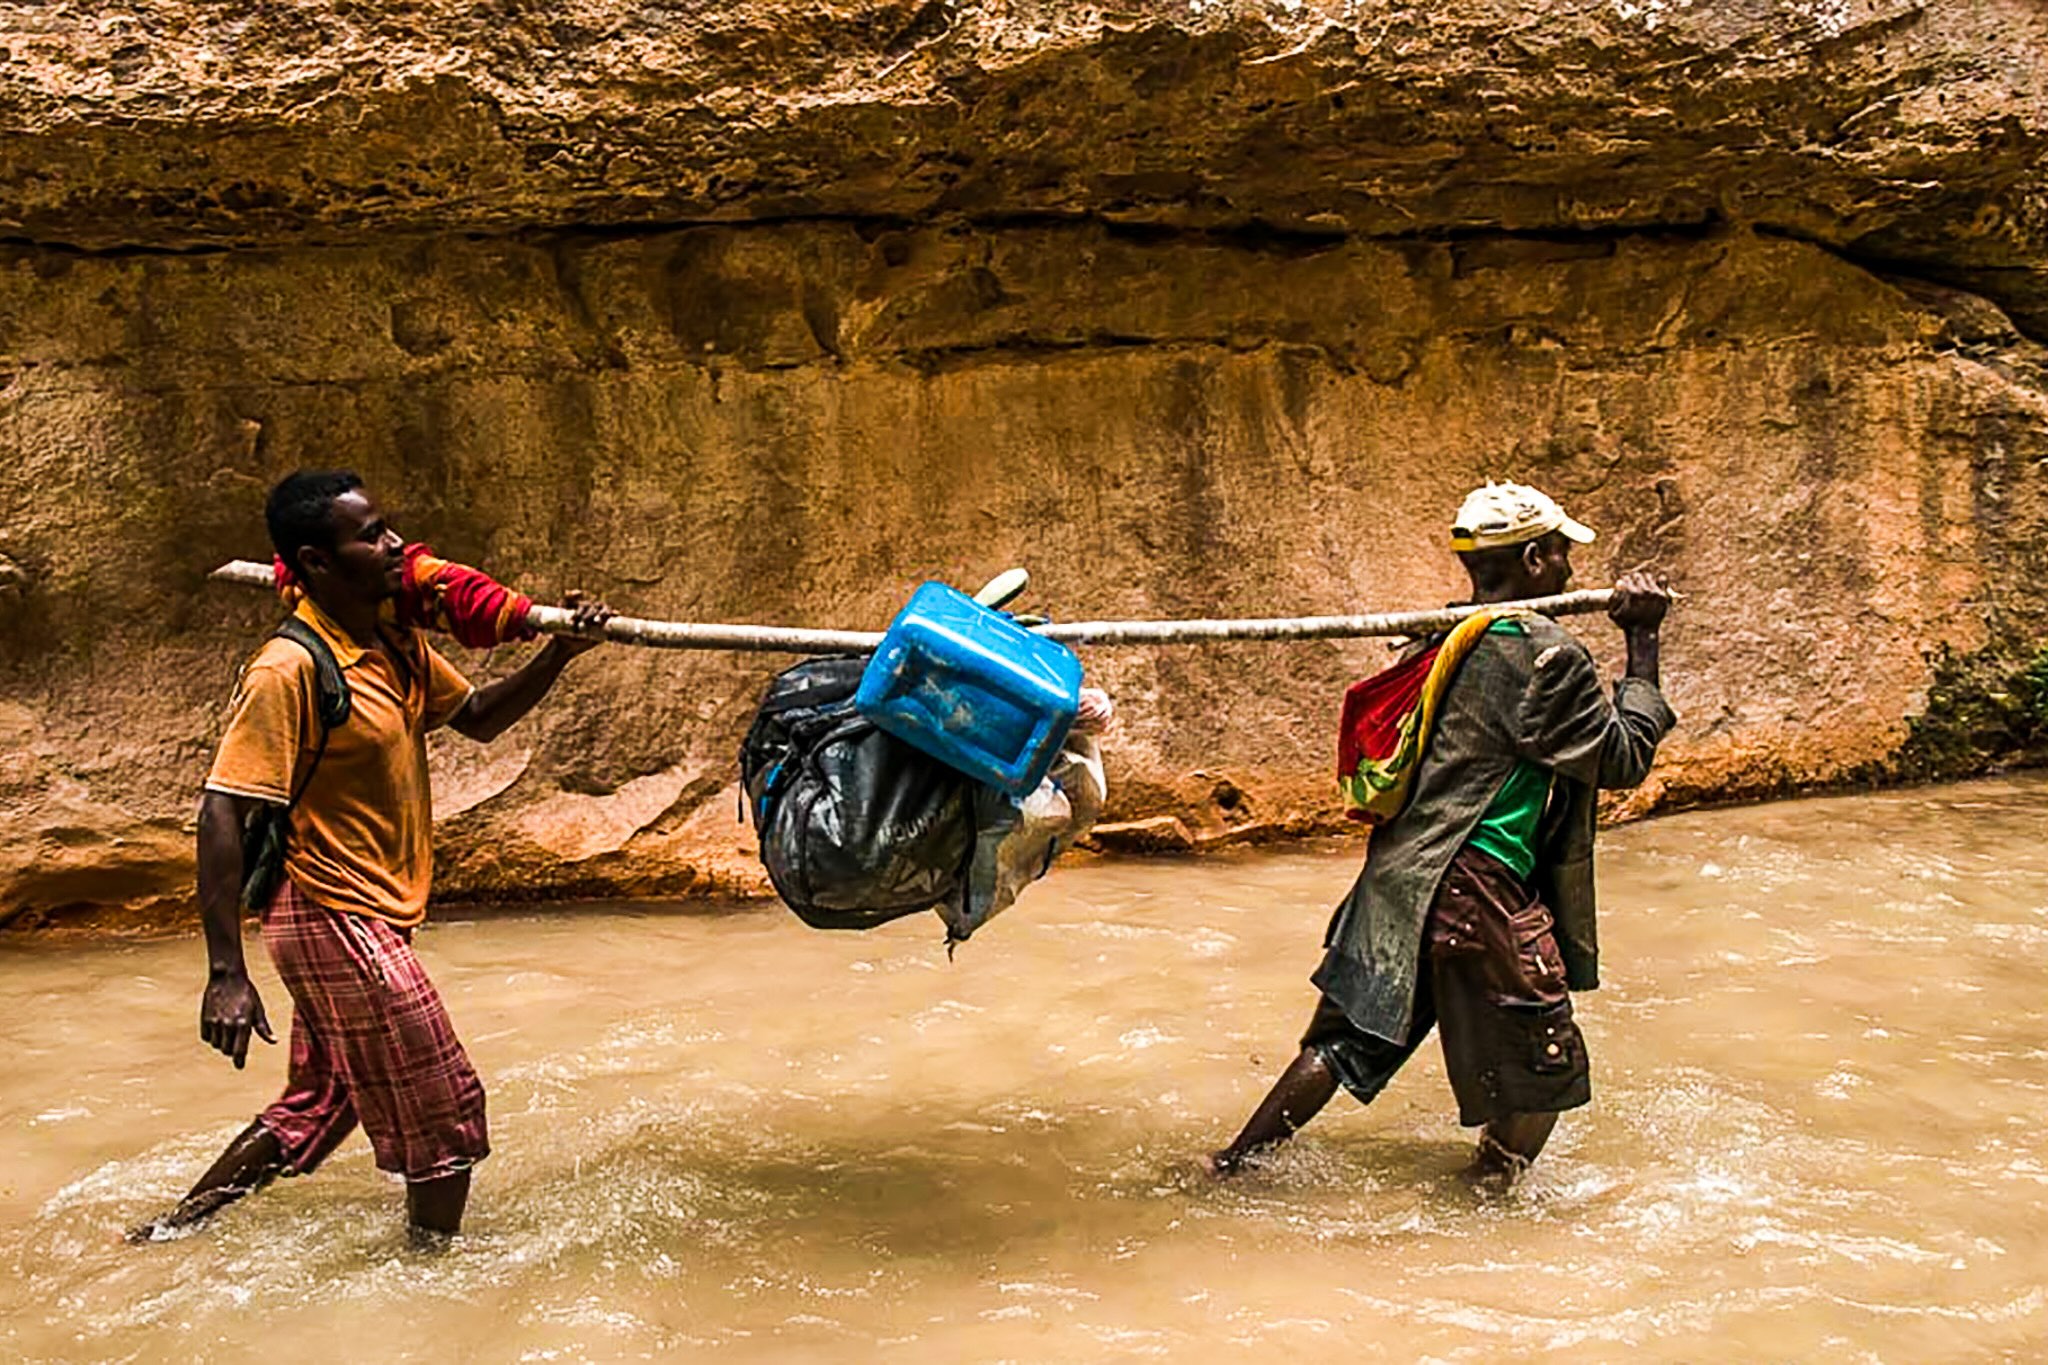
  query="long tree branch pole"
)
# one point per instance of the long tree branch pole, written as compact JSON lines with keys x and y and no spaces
{"x":794,"y":640}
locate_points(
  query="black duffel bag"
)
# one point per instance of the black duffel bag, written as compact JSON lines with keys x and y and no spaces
{"x":857,"y":828}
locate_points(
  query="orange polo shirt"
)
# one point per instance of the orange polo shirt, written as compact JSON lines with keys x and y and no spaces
{"x":362,"y":834}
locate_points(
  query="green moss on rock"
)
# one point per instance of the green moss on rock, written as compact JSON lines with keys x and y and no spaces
{"x":1985,"y":709}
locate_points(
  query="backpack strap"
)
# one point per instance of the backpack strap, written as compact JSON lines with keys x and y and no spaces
{"x":327,"y":675}
{"x":330,"y":687}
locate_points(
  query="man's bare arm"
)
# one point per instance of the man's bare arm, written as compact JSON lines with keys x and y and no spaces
{"x":230,"y":1010}
{"x":495,"y":707}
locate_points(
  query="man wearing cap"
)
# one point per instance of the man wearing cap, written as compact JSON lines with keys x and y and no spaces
{"x":1474,"y":912}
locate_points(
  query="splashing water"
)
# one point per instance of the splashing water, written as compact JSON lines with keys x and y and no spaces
{"x":1819,"y":1075}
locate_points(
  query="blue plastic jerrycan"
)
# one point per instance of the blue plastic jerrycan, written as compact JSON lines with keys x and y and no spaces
{"x":973,"y":689}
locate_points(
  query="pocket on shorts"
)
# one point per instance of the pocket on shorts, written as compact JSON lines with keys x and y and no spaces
{"x":1454,"y":929}
{"x":1535,"y":937}
{"x":1555,"y":1043}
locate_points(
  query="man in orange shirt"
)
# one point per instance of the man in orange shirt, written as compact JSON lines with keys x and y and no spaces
{"x":371,"y":1040}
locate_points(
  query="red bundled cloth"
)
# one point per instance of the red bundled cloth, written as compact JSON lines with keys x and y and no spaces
{"x":1387,"y":720}
{"x":444,"y":596}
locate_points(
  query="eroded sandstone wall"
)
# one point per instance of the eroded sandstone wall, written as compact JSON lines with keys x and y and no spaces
{"x":1209,"y":309}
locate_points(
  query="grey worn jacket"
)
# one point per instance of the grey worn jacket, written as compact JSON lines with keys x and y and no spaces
{"x":1537,"y":696}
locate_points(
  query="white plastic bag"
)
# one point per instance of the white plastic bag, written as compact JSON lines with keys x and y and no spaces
{"x":1017,"y":841}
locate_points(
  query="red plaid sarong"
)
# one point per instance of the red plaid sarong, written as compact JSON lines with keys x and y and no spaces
{"x":371,"y":1040}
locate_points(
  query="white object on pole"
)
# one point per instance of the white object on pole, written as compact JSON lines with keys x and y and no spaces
{"x":1001,"y":590}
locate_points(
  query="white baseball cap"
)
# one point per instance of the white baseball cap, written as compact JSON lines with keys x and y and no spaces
{"x":1511,"y":514}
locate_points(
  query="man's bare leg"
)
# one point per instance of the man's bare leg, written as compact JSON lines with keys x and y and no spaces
{"x":433,"y":1209}
{"x":1507,"y":1146}
{"x":248,"y":1164}
{"x":1298,"y":1096}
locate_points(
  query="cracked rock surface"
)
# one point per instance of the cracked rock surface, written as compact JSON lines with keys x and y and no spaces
{"x":769,"y":311}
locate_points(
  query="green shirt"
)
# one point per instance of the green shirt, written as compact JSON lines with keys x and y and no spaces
{"x":1507,"y":831}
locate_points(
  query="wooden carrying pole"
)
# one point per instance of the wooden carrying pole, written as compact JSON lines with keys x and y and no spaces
{"x":794,"y":640}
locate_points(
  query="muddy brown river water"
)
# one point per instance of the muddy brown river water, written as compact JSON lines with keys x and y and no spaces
{"x":1820,"y":1130}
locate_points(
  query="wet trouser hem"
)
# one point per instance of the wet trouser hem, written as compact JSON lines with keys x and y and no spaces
{"x":442,"y":1170}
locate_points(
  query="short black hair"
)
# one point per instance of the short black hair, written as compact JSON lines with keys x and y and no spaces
{"x":1490,"y":568}
{"x":300,"y":510}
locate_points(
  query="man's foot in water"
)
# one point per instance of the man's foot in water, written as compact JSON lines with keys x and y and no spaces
{"x":190,"y":1212}
{"x":1497,"y":1166}
{"x":1221,"y":1165}
{"x":1298,"y":1096}
{"x":250,"y":1162}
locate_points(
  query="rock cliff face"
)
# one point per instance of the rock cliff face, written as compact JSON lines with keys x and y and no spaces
{"x":768,"y":311}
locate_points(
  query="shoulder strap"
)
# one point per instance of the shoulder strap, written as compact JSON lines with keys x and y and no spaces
{"x":330,"y":687}
{"x":328,"y":680}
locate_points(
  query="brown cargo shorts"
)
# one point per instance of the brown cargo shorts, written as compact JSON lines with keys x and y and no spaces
{"x":1492,"y":981}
